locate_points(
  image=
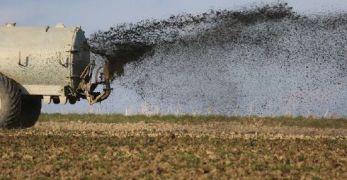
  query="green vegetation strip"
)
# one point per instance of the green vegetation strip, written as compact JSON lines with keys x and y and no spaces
{"x":313,"y":122}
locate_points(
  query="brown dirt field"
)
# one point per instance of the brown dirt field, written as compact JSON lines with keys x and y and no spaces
{"x":217,"y":150}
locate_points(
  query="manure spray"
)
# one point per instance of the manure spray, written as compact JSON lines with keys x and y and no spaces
{"x":262,"y":61}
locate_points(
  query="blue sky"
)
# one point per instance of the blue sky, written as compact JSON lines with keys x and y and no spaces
{"x":101,"y":14}
{"x":93,"y":15}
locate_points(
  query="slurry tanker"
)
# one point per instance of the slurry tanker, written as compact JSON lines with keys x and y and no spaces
{"x":49,"y":64}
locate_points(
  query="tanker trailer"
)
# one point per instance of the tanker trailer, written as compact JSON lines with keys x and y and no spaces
{"x":50,"y":64}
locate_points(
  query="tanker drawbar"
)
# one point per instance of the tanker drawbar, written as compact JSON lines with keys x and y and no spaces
{"x":49,"y":63}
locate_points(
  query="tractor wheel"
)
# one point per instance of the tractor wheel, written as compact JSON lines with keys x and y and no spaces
{"x":17,"y":111}
{"x":10,"y":103}
{"x":30,"y":111}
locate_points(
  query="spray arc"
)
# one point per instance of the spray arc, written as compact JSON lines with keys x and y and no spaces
{"x":266,"y":60}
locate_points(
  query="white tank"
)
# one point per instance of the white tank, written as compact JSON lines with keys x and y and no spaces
{"x":43,"y":60}
{"x":49,"y":63}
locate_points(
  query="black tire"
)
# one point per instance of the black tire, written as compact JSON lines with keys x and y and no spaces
{"x":17,"y":111}
{"x":30,"y":111}
{"x":10,"y":103}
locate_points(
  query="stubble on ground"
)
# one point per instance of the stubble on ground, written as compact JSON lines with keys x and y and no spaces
{"x":212,"y":149}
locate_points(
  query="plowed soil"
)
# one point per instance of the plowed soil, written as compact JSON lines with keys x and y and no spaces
{"x":210,"y":149}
